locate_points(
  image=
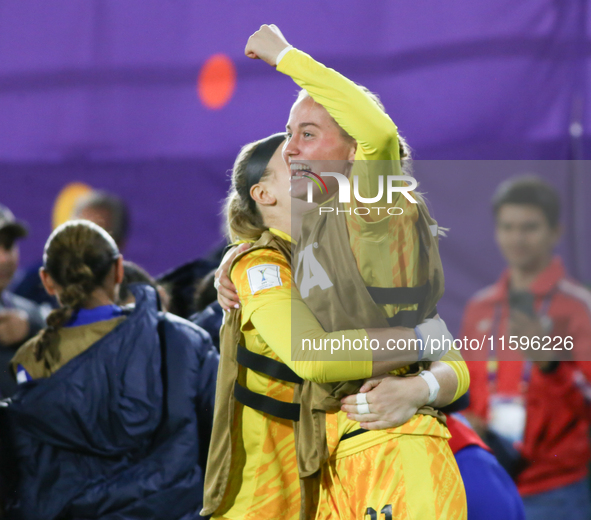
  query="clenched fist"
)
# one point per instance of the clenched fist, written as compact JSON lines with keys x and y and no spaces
{"x":266,"y":44}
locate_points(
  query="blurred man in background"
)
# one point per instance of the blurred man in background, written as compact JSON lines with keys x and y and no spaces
{"x":104,"y":209}
{"x":537,"y":406}
{"x":132,"y":274}
{"x":20,"y":319}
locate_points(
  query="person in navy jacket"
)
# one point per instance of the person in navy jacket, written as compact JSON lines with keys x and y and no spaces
{"x":113,"y":413}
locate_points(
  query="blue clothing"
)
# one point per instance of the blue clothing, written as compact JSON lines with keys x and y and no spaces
{"x":88,"y":316}
{"x":210,"y":319}
{"x":36,"y":318}
{"x":28,"y":285}
{"x":490,"y":492}
{"x":121,"y":431}
{"x":22,"y":376}
{"x":570,"y":502}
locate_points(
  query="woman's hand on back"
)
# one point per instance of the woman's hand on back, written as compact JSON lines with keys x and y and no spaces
{"x":392,"y":401}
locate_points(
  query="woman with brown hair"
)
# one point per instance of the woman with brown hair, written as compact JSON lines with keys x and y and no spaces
{"x":253,"y":466}
{"x":113,"y":413}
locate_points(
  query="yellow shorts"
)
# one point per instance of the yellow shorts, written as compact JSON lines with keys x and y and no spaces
{"x":410,"y":477}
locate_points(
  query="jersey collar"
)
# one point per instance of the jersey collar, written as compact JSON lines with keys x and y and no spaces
{"x":281,"y":234}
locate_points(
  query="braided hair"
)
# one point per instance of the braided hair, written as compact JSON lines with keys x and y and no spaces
{"x":78,"y":256}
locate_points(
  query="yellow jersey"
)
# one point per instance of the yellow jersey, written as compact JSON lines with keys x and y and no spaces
{"x":385,"y":247}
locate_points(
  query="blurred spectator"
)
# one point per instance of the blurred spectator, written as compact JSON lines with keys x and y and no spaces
{"x":490,"y":492}
{"x":206,"y":293}
{"x":133,"y":273}
{"x":20,"y":318}
{"x":180,"y":284}
{"x":103,"y":208}
{"x":209,"y":315}
{"x":116,"y":405}
{"x":538,"y":410}
{"x":108,"y":211}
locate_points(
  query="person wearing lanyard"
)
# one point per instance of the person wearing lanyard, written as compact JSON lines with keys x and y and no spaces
{"x":536,"y":408}
{"x":507,"y":409}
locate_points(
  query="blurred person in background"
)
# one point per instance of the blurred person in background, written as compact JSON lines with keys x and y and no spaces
{"x":108,"y":211}
{"x":133,"y":273}
{"x":20,"y":319}
{"x":180,"y":283}
{"x":101,"y":207}
{"x":116,"y":404}
{"x":535,"y":410}
{"x":210,"y":314}
{"x":490,"y":492}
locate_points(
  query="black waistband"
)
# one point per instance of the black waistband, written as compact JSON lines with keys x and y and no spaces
{"x":266,"y":365}
{"x":266,"y":404}
{"x":399,"y":295}
{"x":352,"y":434}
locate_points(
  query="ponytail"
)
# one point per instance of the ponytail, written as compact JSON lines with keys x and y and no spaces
{"x":78,"y":256}
{"x":243,"y":219}
{"x":242,"y":222}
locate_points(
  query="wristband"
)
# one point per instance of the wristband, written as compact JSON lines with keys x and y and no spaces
{"x":282,"y":53}
{"x":433,"y":385}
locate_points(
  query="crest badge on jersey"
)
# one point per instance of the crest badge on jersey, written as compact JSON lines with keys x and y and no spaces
{"x":263,"y":277}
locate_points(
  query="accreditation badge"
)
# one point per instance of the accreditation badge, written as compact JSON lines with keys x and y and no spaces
{"x":507,"y":417}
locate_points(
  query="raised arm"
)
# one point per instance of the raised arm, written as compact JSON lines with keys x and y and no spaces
{"x":352,"y":108}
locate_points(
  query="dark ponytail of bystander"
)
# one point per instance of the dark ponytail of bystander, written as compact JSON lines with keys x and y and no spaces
{"x":107,"y":397}
{"x":77,"y":259}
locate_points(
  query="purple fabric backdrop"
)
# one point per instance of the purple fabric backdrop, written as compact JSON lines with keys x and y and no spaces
{"x":104,"y":92}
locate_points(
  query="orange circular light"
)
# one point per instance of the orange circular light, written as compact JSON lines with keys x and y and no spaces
{"x":217,"y":81}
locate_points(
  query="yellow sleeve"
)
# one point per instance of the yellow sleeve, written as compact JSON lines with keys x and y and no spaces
{"x":354,"y":111}
{"x":281,"y":317}
{"x":455,"y":361}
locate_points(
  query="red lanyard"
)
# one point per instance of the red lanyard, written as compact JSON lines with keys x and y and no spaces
{"x":492,"y":364}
